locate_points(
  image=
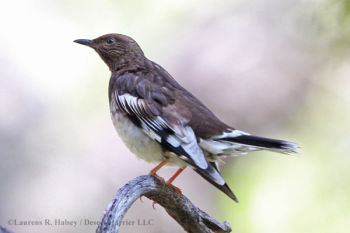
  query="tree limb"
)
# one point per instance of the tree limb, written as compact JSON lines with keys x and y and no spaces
{"x":179,"y":207}
{"x":4,"y":230}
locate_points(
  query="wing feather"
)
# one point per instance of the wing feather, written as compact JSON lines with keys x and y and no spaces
{"x":156,"y":127}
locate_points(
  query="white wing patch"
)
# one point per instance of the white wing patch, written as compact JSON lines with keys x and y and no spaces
{"x":151,"y":133}
{"x":158,"y":129}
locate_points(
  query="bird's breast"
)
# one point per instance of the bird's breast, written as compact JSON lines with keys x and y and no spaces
{"x":135,"y":139}
{"x":138,"y":142}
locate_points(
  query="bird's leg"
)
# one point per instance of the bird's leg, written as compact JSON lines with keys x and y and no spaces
{"x":170,"y":181}
{"x":153,"y":172}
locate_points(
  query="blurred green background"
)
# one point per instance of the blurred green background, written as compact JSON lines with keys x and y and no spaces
{"x":270,"y":67}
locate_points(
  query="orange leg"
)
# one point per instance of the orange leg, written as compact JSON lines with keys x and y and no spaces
{"x":170,"y":181}
{"x":153,"y":172}
{"x":159,"y":166}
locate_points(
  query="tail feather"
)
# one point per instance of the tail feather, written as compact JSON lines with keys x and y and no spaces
{"x":210,"y":173}
{"x":236,"y":142}
{"x":264,"y":143}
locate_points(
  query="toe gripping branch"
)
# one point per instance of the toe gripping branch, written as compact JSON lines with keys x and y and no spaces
{"x":169,"y":182}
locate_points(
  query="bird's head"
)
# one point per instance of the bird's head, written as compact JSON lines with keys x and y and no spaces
{"x":116,"y":50}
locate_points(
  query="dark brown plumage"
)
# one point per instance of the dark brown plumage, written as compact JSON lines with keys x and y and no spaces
{"x":160,"y":121}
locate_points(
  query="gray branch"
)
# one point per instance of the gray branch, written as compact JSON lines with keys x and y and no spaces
{"x":179,"y":207}
{"x":4,"y":230}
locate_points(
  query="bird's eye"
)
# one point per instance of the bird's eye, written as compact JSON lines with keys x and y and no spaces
{"x":110,"y":41}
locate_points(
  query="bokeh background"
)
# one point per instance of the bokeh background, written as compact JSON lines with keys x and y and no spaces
{"x":270,"y":67}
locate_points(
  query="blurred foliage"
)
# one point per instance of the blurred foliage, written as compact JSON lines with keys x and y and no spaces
{"x":333,"y":19}
{"x":306,"y":193}
{"x":309,"y":192}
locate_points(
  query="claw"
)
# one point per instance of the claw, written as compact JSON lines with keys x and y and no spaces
{"x":161,"y":179}
{"x":177,"y":189}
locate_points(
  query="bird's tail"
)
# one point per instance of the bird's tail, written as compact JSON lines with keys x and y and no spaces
{"x":213,"y":176}
{"x":239,"y":142}
{"x":264,"y":143}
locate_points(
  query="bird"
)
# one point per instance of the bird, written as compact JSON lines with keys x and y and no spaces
{"x":163,"y":123}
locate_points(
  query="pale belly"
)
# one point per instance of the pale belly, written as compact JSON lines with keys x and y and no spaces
{"x":136,"y":140}
{"x":141,"y":144}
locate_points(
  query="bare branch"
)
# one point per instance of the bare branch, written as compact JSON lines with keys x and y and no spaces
{"x":179,"y":207}
{"x":4,"y":230}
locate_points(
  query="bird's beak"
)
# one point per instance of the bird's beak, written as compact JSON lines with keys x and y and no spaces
{"x":87,"y":42}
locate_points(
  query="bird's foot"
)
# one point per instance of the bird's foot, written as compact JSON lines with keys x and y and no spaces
{"x":153,"y":172}
{"x":169,"y":182}
{"x":161,"y":179}
{"x":177,"y":189}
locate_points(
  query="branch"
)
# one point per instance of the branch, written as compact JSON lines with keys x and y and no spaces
{"x":190,"y":217}
{"x":4,"y":230}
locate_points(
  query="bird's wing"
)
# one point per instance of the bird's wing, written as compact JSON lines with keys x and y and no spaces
{"x":145,"y":103}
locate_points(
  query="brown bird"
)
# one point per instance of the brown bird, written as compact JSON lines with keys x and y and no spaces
{"x":161,"y":122}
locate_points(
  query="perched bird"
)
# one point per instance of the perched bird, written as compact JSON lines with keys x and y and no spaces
{"x":161,"y":122}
